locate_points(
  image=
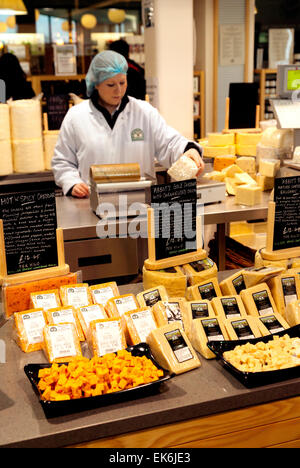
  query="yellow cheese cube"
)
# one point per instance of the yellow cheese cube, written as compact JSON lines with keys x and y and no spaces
{"x":269,"y":167}
{"x":266,"y":183}
{"x":248,"y":195}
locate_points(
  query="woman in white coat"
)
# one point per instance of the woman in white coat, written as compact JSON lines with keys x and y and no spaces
{"x":112,"y":128}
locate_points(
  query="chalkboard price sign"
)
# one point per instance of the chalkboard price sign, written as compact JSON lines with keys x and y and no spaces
{"x":175,"y":212}
{"x":29,"y":226}
{"x":287,"y":213}
{"x":57,"y":107}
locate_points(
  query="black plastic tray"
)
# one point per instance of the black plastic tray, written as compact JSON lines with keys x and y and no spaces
{"x":60,"y":408}
{"x":255,"y":379}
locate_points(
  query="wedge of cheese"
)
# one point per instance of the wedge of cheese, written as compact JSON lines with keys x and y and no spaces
{"x":173,"y":279}
{"x":285,"y":289}
{"x":106,"y":336}
{"x":137,"y":325}
{"x":151,"y":296}
{"x":222,"y":162}
{"x":205,"y":330}
{"x":231,"y":185}
{"x":230,"y":171}
{"x":272,"y":324}
{"x":28,"y":327}
{"x":268,"y":167}
{"x":65,"y":314}
{"x":101,"y":293}
{"x":244,"y":179}
{"x":244,"y":328}
{"x":234,"y":284}
{"x":172,"y":310}
{"x":61,"y":342}
{"x":205,"y":290}
{"x":227,"y":307}
{"x":259,"y":301}
{"x":45,"y":299}
{"x":76,"y":295}
{"x":88,"y":314}
{"x":200,"y":309}
{"x":253,"y":276}
{"x":262,"y":263}
{"x":200,"y":271}
{"x":117,"y":306}
{"x":172,"y":349}
{"x":292,"y":315}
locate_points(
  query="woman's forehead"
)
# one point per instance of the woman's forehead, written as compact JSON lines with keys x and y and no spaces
{"x":116,"y":78}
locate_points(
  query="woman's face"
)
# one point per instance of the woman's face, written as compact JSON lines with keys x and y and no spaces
{"x":112,"y":90}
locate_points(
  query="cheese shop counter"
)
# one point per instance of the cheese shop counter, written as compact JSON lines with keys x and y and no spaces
{"x":205,"y":407}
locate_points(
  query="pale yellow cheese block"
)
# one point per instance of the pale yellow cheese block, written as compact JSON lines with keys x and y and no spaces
{"x":173,"y":310}
{"x":172,"y":349}
{"x":234,"y":284}
{"x":229,"y":307}
{"x":173,"y":279}
{"x":205,"y":290}
{"x":268,"y":167}
{"x":253,"y":276}
{"x":272,"y":324}
{"x":247,"y":164}
{"x":200,"y":309}
{"x":244,"y":328}
{"x":204,"y":330}
{"x":285,"y":289}
{"x":231,"y":185}
{"x":213,"y":151}
{"x":248,"y":195}
{"x":244,"y":138}
{"x":137,"y":325}
{"x":117,"y":306}
{"x":266,"y":183}
{"x":230,"y":171}
{"x":292,"y":314}
{"x":258,"y":300}
{"x":261,"y":262}
{"x":221,"y":139}
{"x":244,"y":179}
{"x":245,"y":150}
{"x":151,"y":296}
{"x":200,"y":271}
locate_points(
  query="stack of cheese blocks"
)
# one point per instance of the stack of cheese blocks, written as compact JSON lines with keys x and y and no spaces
{"x":237,"y":143}
{"x":6,"y":161}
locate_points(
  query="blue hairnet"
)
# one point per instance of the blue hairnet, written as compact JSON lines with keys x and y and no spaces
{"x":103,"y":66}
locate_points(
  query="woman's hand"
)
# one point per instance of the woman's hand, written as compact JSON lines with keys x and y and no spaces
{"x":80,"y":191}
{"x":195,"y":156}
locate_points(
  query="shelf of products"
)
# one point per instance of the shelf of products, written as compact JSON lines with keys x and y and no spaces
{"x":267,"y":90}
{"x":199,"y":104}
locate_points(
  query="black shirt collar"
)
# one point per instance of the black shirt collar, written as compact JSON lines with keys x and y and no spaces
{"x":111,"y":119}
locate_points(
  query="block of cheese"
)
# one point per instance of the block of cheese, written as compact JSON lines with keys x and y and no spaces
{"x":247,"y":164}
{"x":205,"y":290}
{"x":249,"y":195}
{"x":183,"y":169}
{"x":26,"y":119}
{"x":61,"y":342}
{"x":272,"y":324}
{"x":205,"y":330}
{"x":266,"y":183}
{"x":233,"y":285}
{"x":200,"y":309}
{"x":173,"y":279}
{"x":244,"y":138}
{"x":292,"y":314}
{"x":200,"y":271}
{"x":246,"y":150}
{"x":88,"y":314}
{"x":230,"y":171}
{"x":28,"y":155}
{"x":106,"y":336}
{"x":65,"y":314}
{"x":244,"y":328}
{"x":222,"y":162}
{"x":4,"y":122}
{"x":244,"y":178}
{"x":253,"y":276}
{"x":277,"y":138}
{"x":261,"y":262}
{"x":227,"y":307}
{"x":6,"y":161}
{"x":221,"y":139}
{"x":76,"y":295}
{"x":231,"y":185}
{"x":137,"y":325}
{"x":214,"y":151}
{"x":29,"y":326}
{"x":269,"y":167}
{"x":284,"y":289}
{"x":151,"y":296}
{"x":117,"y":306}
{"x":101,"y":293}
{"x":172,"y":310}
{"x":50,"y":139}
{"x":218,"y":176}
{"x":258,"y":300}
{"x":172,"y":349}
{"x":45,"y":299}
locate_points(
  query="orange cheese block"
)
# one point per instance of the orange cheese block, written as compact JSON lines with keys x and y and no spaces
{"x":117,"y":306}
{"x":61,"y":342}
{"x":88,"y":314}
{"x":16,"y":298}
{"x":29,"y":326}
{"x":65,"y":314}
{"x":106,"y":336}
{"x":77,"y":295}
{"x":222,"y":162}
{"x":101,"y":293}
{"x":137,"y":325}
{"x":45,"y":299}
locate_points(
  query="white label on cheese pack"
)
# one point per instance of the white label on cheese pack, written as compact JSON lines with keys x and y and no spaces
{"x":77,"y":296}
{"x":178,"y":345}
{"x":173,"y":312}
{"x":62,"y":341}
{"x":102,"y":295}
{"x":65,"y":315}
{"x":144,"y":323}
{"x":108,"y":337}
{"x":34,"y":324}
{"x":125,"y":304}
{"x":46,"y":301}
{"x":91,"y":313}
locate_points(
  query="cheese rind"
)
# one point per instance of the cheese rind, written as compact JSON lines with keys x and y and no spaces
{"x":285,"y":289}
{"x":172,"y":349}
{"x":28,"y":327}
{"x":199,"y":271}
{"x":205,"y":290}
{"x":172,"y":279}
{"x":205,"y":330}
{"x":272,"y":324}
{"x":229,"y":307}
{"x":244,"y":328}
{"x":258,"y":300}
{"x":183,"y":169}
{"x":151,"y":296}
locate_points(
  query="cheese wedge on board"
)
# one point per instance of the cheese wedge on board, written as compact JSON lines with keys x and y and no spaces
{"x":28,"y":328}
{"x":204,"y":330}
{"x":200,"y":271}
{"x":229,"y":307}
{"x":172,"y":349}
{"x":292,"y":314}
{"x":137,"y":325}
{"x":65,"y":314}
{"x":285,"y":289}
{"x":272,"y":324}
{"x":258,"y":300}
{"x":204,"y":290}
{"x":151,"y":296}
{"x":244,"y":328}
{"x":173,"y":279}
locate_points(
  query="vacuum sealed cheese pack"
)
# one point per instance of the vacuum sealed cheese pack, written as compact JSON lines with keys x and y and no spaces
{"x":101,"y":293}
{"x":45,"y":299}
{"x":228,"y":307}
{"x":28,"y":329}
{"x":243,"y":328}
{"x":272,"y":324}
{"x":61,"y":342}
{"x":205,"y":290}
{"x":292,"y":314}
{"x":76,"y":295}
{"x":258,"y":300}
{"x":151,"y":296}
{"x":65,"y":314}
{"x":285,"y":289}
{"x":137,"y":325}
{"x":204,"y":330}
{"x":88,"y":314}
{"x":172,"y":310}
{"x":106,"y":336}
{"x":117,"y":306}
{"x":200,"y":271}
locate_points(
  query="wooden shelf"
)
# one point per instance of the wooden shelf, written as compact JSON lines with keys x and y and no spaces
{"x":199,"y":97}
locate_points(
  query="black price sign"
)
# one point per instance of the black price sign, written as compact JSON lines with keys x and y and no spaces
{"x":57,"y":107}
{"x":175,"y":213}
{"x":29,"y":225}
{"x":287,"y":213}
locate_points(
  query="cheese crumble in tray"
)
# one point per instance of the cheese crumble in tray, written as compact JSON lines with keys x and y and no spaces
{"x":261,"y":361}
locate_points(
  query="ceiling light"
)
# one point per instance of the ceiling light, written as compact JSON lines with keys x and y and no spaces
{"x":116,"y":16}
{"x":88,"y":21}
{"x":12,"y":7}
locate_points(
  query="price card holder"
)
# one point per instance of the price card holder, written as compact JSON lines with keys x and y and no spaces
{"x":174,"y":229}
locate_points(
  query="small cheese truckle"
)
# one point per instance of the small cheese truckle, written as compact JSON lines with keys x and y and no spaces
{"x":65,"y":314}
{"x":234,"y":284}
{"x":76,"y":295}
{"x":205,"y":290}
{"x":172,"y":349}
{"x":28,"y":327}
{"x":101,"y":293}
{"x":173,"y":279}
{"x":285,"y":289}
{"x":243,"y":328}
{"x":89,"y":313}
{"x":259,"y":301}
{"x":151,"y":296}
{"x":137,"y":325}
{"x":45,"y":299}
{"x":117,"y":306}
{"x":200,"y":271}
{"x":172,"y":310}
{"x":204,"y":330}
{"x":227,"y":307}
{"x":106,"y":336}
{"x":293,"y":313}
{"x":272,"y":324}
{"x":61,"y":342}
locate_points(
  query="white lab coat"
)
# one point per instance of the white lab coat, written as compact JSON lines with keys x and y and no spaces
{"x":86,"y":138}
